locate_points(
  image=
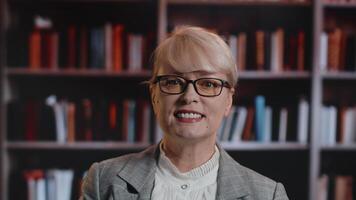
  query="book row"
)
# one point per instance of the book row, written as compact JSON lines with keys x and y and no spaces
{"x":133,"y":121}
{"x":336,"y":187}
{"x":51,"y":184}
{"x":338,"y":125}
{"x":264,"y":123}
{"x":275,"y":51}
{"x":338,"y":50}
{"x":108,"y":47}
{"x":81,"y":120}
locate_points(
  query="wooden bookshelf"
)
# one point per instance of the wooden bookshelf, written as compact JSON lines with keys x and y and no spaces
{"x":16,"y":72}
{"x":240,"y":2}
{"x":159,"y":17}
{"x":339,"y":147}
{"x":339,"y":76}
{"x":346,"y":5}
{"x":25,"y":146}
{"x":259,"y":146}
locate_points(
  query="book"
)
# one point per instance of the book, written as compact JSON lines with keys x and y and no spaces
{"x":303,"y":121}
{"x":240,"y":121}
{"x":35,"y":49}
{"x":283,"y":123}
{"x":260,"y":106}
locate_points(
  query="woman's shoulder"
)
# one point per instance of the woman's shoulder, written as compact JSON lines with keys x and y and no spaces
{"x":119,"y":162}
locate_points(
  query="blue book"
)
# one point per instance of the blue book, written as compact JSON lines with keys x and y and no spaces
{"x":131,"y":122}
{"x":260,"y":105}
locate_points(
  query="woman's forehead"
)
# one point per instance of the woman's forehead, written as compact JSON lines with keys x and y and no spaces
{"x":192,"y":72}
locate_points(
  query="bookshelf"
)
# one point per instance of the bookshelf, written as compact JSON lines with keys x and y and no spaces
{"x":76,"y":81}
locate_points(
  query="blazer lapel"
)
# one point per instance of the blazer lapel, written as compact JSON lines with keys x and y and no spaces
{"x":230,"y":180}
{"x":139,"y":173}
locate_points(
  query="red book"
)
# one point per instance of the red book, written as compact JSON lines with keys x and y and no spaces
{"x":31,"y":120}
{"x":35,"y":49}
{"x":88,"y":116}
{"x":260,"y":50}
{"x":118,"y":35}
{"x":301,"y":51}
{"x":292,"y":40}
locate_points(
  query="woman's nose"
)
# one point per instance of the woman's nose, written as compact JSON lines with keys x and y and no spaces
{"x":190,"y":95}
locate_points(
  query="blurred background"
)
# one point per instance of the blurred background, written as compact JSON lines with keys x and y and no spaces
{"x":71,"y":92}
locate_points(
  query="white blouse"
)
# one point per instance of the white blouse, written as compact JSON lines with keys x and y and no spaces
{"x":198,"y":184}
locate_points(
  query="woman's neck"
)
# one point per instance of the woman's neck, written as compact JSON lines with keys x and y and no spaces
{"x":189,"y":155}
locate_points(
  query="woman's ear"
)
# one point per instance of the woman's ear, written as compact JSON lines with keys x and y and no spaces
{"x":229,"y":102}
{"x":153,"y":98}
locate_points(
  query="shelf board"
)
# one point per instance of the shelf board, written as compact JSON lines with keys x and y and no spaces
{"x":81,"y":1}
{"x":339,"y":75}
{"x":339,"y":147}
{"x":339,"y":5}
{"x":249,"y":146}
{"x":20,"y":72}
{"x":273,"y":75}
{"x":258,"y":146}
{"x":75,"y":146}
{"x":239,"y":2}
{"x":75,"y":73}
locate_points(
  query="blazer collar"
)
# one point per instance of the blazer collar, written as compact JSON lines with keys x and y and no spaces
{"x":231,"y":180}
{"x":140,"y":170}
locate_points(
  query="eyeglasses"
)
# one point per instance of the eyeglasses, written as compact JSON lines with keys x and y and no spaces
{"x":207,"y":87}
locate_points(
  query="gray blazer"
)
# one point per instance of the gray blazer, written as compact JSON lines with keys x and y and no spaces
{"x":132,"y":177}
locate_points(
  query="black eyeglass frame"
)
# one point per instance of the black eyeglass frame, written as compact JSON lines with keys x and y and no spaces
{"x":193,"y":82}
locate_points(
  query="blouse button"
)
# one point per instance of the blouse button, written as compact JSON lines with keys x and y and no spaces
{"x":185,"y":186}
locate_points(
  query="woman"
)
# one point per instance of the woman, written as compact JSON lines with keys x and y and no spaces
{"x":191,"y":91}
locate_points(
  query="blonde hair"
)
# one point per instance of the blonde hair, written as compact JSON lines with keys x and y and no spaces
{"x":193,"y":48}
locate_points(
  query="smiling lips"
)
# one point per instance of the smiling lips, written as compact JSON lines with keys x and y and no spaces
{"x":188,"y":116}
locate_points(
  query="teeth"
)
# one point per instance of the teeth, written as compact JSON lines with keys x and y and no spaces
{"x":189,"y":115}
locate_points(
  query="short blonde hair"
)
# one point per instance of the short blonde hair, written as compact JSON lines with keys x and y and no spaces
{"x":193,"y":48}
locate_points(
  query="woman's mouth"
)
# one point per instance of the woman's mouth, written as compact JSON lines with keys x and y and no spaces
{"x":188,"y":116}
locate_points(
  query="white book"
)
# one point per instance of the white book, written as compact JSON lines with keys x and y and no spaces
{"x":303,"y":119}
{"x":135,"y":51}
{"x":59,"y":116}
{"x":31,"y":189}
{"x":108,"y":46}
{"x":323,"y":51}
{"x":324,"y":133}
{"x":40,"y":189}
{"x":227,"y":129}
{"x":240,"y":123}
{"x":60,"y":122}
{"x":332,"y":125}
{"x":268,"y":124}
{"x":233,"y":46}
{"x":349,"y":131}
{"x":67,"y":181}
{"x":323,"y":183}
{"x":50,"y":185}
{"x":282,"y":135}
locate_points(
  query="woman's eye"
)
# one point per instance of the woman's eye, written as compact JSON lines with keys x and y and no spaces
{"x":210,"y":84}
{"x":173,"y":82}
